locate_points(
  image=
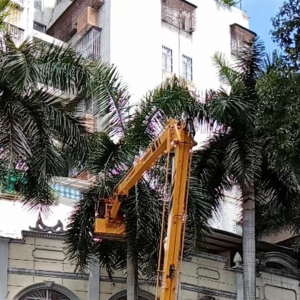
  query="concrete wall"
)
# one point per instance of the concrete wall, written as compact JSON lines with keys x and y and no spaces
{"x":212,"y":35}
{"x":135,"y":43}
{"x":136,"y":35}
{"x":45,"y":15}
{"x":40,"y":258}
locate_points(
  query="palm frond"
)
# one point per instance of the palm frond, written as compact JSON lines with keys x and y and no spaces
{"x":250,"y":61}
{"x":171,"y":99}
{"x":6,"y":9}
{"x":37,"y":126}
{"x":231,"y":109}
{"x":82,"y":248}
{"x":226,"y":72}
{"x":112,"y":99}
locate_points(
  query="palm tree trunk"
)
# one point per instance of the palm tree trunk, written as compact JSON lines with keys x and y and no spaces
{"x":132,"y":273}
{"x":249,"y":242}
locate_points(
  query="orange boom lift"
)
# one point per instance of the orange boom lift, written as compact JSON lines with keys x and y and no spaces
{"x":178,"y":138}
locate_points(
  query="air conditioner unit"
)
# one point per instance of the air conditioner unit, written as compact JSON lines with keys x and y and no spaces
{"x":87,"y":19}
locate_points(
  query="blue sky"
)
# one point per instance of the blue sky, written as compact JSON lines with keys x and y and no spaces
{"x":260,"y":13}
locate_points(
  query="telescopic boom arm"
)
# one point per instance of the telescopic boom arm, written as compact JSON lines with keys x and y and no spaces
{"x":177,"y":137}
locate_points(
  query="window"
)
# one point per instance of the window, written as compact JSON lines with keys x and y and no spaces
{"x":47,"y":294}
{"x":167,"y":59}
{"x":38,"y":5}
{"x":39,"y":27}
{"x":187,"y":68}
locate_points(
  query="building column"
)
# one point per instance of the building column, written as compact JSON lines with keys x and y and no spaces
{"x":94,"y":282}
{"x":4,"y":242}
{"x":239,"y":277}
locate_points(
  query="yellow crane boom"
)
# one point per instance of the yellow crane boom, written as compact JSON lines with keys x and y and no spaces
{"x":178,"y":138}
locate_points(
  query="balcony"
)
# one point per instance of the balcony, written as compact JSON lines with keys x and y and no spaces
{"x":180,"y":14}
{"x":11,"y":183}
{"x":240,"y":36}
{"x":66,"y":25}
{"x":89,"y":45}
{"x":17,"y":34}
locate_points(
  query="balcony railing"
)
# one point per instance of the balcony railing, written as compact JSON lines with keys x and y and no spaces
{"x":89,"y":45}
{"x":179,"y":13}
{"x":240,"y":36}
{"x":16,"y":33}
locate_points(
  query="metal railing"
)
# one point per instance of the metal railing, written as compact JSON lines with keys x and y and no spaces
{"x":17,"y":33}
{"x":179,"y":14}
{"x":89,"y":45}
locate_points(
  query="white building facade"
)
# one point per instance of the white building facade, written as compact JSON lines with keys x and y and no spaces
{"x":147,"y":40}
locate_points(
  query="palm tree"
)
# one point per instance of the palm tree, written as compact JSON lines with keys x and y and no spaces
{"x":278,"y":118}
{"x":40,"y":136}
{"x":239,"y":152}
{"x":135,"y":128}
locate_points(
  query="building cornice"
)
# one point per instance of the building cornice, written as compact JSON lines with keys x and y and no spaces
{"x":208,"y":291}
{"x":55,"y":274}
{"x":46,"y":235}
{"x":210,"y":256}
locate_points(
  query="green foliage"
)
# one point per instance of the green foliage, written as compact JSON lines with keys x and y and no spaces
{"x":38,"y":128}
{"x":286,"y":30}
{"x":228,"y":2}
{"x":258,"y":139}
{"x":6,"y":7}
{"x":111,"y":158}
{"x":279,"y":112}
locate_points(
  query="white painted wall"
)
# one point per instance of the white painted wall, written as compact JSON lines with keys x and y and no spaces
{"x":134,"y":34}
{"x":212,"y":35}
{"x":105,"y":25}
{"x":132,"y":37}
{"x":23,"y":217}
{"x":135,"y":43}
{"x":45,"y":15}
{"x":229,"y":213}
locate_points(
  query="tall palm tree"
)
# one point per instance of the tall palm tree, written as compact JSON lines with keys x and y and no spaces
{"x":40,"y":135}
{"x":135,"y":127}
{"x":239,"y":152}
{"x":278,"y":118}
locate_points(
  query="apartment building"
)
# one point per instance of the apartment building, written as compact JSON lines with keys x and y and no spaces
{"x":151,"y":39}
{"x":148,"y":41}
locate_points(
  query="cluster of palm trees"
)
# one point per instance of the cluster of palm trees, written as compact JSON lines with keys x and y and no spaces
{"x":41,"y":131}
{"x":242,"y":152}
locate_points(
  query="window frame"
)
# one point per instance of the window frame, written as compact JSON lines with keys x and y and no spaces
{"x":39,"y":24}
{"x":41,"y":8}
{"x":167,"y":59}
{"x":186,"y":73}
